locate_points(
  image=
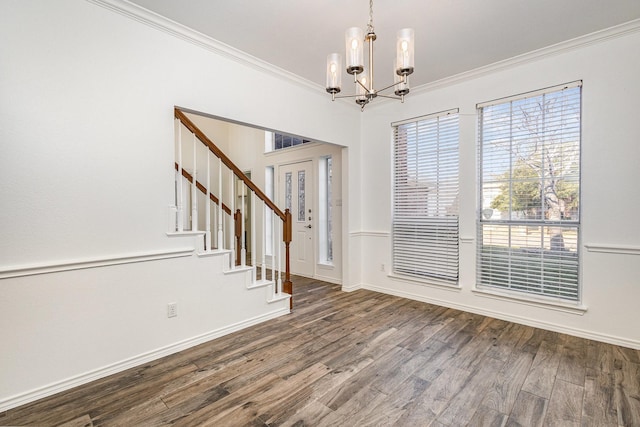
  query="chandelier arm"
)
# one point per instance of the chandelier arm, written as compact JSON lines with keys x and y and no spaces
{"x":390,"y":96}
{"x":390,"y":86}
{"x":360,"y":83}
{"x":347,"y":96}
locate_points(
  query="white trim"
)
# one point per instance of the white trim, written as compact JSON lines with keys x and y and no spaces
{"x":237,"y":269}
{"x":185,"y":233}
{"x":531,"y":300}
{"x":69,"y":383}
{"x":79,"y":264}
{"x":351,"y":288}
{"x":299,"y":147}
{"x":280,"y":297}
{"x":613,"y":249}
{"x":166,"y":25}
{"x":325,"y":265}
{"x":180,"y":31}
{"x":260,"y":283}
{"x":327,"y":279}
{"x":607,"y":338}
{"x":214,"y":252}
{"x":369,"y":234}
{"x":425,"y":117}
{"x":535,"y":55}
{"x":531,"y":94}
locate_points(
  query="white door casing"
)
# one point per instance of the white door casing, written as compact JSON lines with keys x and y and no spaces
{"x":295,"y":189}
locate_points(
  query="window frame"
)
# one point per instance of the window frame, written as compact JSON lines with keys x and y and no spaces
{"x":443,"y":220}
{"x":325,"y":211}
{"x":551,"y":286}
{"x":284,"y":141}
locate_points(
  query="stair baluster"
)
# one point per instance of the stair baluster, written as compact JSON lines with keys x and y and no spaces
{"x":234,"y":226}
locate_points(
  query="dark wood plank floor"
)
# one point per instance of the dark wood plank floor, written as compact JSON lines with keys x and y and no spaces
{"x":364,"y":359}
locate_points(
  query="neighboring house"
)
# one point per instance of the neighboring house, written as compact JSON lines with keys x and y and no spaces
{"x":86,"y":178}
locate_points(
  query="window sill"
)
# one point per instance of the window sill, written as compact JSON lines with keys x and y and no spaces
{"x":291,"y":148}
{"x":552,"y":304}
{"x":424,"y":282}
{"x":325,"y":266}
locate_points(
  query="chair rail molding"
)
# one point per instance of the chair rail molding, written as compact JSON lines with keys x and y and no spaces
{"x":613,"y":249}
{"x":367,"y":233}
{"x":79,"y":264}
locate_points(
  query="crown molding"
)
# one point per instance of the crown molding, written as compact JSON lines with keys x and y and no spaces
{"x":535,"y":55}
{"x":159,"y":22}
{"x":168,"y":26}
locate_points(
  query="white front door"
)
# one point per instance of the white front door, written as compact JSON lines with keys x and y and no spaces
{"x":296,"y":194}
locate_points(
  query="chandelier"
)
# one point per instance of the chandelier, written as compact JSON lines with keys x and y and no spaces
{"x":354,"y":43}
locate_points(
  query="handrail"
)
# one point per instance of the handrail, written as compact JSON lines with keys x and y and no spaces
{"x":287,"y":285}
{"x":203,"y":189}
{"x":227,"y":162}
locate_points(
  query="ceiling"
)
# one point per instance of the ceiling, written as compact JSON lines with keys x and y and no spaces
{"x":452,"y":36}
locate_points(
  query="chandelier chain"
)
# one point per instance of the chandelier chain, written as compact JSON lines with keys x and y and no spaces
{"x":370,"y":24}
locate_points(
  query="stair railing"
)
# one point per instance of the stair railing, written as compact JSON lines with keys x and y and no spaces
{"x":281,"y":222}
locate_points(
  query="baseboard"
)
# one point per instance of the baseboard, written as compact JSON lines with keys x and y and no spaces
{"x":328,"y":279}
{"x":277,"y":298}
{"x":610,"y":339}
{"x":351,"y":288}
{"x":69,"y":383}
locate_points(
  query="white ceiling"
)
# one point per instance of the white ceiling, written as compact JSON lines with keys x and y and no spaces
{"x":452,"y":36}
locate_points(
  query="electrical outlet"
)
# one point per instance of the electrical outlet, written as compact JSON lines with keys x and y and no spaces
{"x":381,"y":267}
{"x":172,"y":309}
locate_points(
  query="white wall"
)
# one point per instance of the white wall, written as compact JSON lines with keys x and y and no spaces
{"x":86,"y":177}
{"x":610,"y":194}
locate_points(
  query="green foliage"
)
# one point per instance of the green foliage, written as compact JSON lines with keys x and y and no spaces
{"x":568,"y":192}
{"x":527,"y":192}
{"x":525,"y":188}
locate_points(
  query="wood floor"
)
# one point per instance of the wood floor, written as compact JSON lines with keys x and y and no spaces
{"x":364,"y":359}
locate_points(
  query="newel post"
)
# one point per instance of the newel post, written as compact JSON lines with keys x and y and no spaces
{"x":286,"y":237}
{"x":237,"y":219}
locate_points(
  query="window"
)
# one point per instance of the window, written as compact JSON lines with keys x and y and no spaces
{"x":269,"y":174}
{"x":425,"y":200}
{"x":528,"y":224}
{"x":324,"y":214}
{"x":281,"y":141}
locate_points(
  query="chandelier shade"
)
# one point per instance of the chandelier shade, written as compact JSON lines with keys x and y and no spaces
{"x":355,"y":39}
{"x":404,"y":52}
{"x":354,"y":48}
{"x":334,"y":73}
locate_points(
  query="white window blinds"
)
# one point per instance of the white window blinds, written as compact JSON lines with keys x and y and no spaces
{"x":425,"y":208}
{"x":528,"y":225}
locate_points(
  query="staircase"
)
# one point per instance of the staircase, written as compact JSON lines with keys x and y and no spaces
{"x":207,"y":188}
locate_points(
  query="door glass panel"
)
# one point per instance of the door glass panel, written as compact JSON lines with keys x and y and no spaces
{"x":287,"y":191}
{"x":301,"y":196}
